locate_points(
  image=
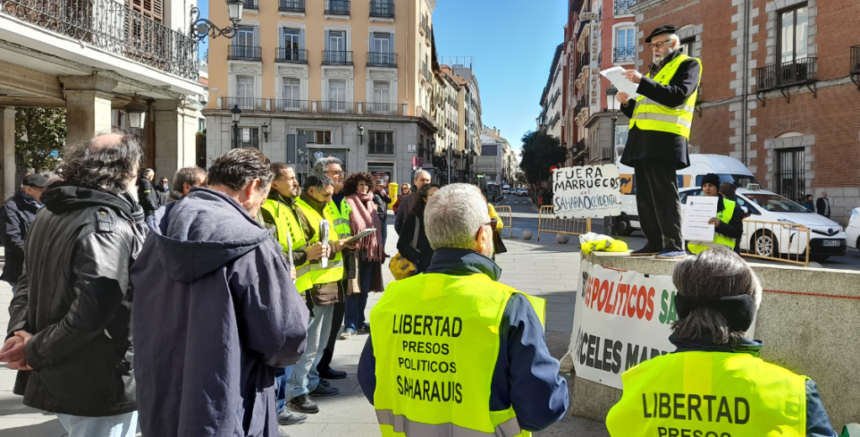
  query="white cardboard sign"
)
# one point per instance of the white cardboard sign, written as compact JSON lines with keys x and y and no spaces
{"x":590,"y":191}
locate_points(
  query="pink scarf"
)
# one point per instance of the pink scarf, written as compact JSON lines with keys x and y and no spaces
{"x":364,"y":216}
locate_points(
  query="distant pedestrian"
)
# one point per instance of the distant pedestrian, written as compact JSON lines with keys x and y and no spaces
{"x":382,"y":200}
{"x":728,"y":224}
{"x":422,"y":177}
{"x":162,"y":191}
{"x":822,"y":205}
{"x":184,"y":180}
{"x":729,"y":191}
{"x":413,"y":243}
{"x":16,"y":217}
{"x":809,"y":203}
{"x":404,"y":191}
{"x":71,"y":316}
{"x":215,"y":309}
{"x":146,"y":194}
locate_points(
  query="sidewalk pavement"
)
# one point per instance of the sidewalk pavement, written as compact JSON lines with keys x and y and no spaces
{"x":546,"y":269}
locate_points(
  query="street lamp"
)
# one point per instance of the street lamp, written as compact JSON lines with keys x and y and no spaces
{"x":237,"y":116}
{"x":360,"y":134}
{"x":201,"y":27}
{"x":265,"y":132}
{"x":136,"y":111}
{"x":611,"y":92}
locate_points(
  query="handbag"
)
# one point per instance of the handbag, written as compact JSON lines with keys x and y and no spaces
{"x":401,"y":267}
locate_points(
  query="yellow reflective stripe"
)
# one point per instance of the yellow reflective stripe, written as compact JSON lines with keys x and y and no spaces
{"x":301,"y":271}
{"x":683,"y":106}
{"x":666,"y":118}
{"x":402,"y":424}
{"x":341,"y":221}
{"x":317,"y":267}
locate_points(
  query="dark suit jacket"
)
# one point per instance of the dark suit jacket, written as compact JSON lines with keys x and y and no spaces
{"x":821,"y":207}
{"x":662,"y":145}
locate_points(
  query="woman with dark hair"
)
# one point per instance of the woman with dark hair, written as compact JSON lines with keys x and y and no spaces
{"x":809,"y":203}
{"x":413,"y":244}
{"x":717,"y":300}
{"x":370,"y":251}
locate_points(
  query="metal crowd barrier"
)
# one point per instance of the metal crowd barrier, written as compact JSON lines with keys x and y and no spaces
{"x":506,"y":214}
{"x":548,"y":222}
{"x":768,"y":240}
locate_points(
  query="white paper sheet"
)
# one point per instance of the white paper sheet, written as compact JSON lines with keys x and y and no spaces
{"x":324,"y":240}
{"x":615,"y":76}
{"x":697,"y":212}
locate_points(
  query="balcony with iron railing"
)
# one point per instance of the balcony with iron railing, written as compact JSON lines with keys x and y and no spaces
{"x":377,"y":59}
{"x":291,"y":55}
{"x":289,"y":105}
{"x":425,"y":71}
{"x":382,"y":8}
{"x":112,"y":27}
{"x":244,"y":53}
{"x":372,"y":108}
{"x":336,"y":107}
{"x":785,"y":74}
{"x":334,"y":57}
{"x":291,"y":6}
{"x":252,"y":4}
{"x":244,"y":103}
{"x":855,"y":60}
{"x":606,"y":154}
{"x":422,"y":27}
{"x":313,"y":106}
{"x":337,"y":7}
{"x":622,"y":7}
{"x":621,"y":55}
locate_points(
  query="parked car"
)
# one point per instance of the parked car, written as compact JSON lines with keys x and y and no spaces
{"x":853,"y":229}
{"x":522,"y":192}
{"x":506,"y":190}
{"x":826,"y":237}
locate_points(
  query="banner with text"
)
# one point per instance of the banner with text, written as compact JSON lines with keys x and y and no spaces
{"x":590,"y":191}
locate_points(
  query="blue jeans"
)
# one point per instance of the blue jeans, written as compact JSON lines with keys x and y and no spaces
{"x":122,"y":425}
{"x":384,"y":234}
{"x":305,"y":377}
{"x":282,"y":379}
{"x":357,"y":303}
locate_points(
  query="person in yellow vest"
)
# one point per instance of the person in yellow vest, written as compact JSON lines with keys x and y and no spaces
{"x":715,"y":384}
{"x":729,"y":222}
{"x":660,"y":121}
{"x":322,"y":292}
{"x":453,"y":352}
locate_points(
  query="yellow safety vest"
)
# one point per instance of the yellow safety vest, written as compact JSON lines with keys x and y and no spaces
{"x":436,"y":342}
{"x":650,"y":115}
{"x":312,"y":273}
{"x":286,"y":223}
{"x":341,"y":217}
{"x":725,"y":216}
{"x":707,"y":394}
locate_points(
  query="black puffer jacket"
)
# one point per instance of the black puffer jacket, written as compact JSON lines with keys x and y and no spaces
{"x":16,"y":216}
{"x":76,"y":301}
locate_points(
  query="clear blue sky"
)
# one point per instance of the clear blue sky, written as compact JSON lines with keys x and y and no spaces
{"x":513,"y":43}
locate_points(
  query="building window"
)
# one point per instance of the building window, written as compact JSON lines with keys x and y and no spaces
{"x":790,"y":177}
{"x":292,"y":93}
{"x":336,"y":41}
{"x":687,"y":46}
{"x":316,"y":136}
{"x":336,"y":96}
{"x":381,"y":98}
{"x":625,"y":48}
{"x":248,"y":137}
{"x":621,"y":135}
{"x":245,"y":92}
{"x":380,"y":143}
{"x":793,"y":28}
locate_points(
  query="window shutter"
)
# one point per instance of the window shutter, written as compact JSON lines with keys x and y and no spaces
{"x":327,"y":41}
{"x":391,"y":43}
{"x":153,"y":9}
{"x":302,"y":39}
{"x":281,"y":38}
{"x":291,"y":149}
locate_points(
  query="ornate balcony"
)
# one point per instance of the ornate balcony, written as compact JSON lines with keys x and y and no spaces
{"x":333,"y":57}
{"x":376,"y":59}
{"x":785,"y":74}
{"x":621,"y":55}
{"x":337,"y":7}
{"x":244,"y":53}
{"x":252,"y":4}
{"x":382,"y":8}
{"x":292,"y":56}
{"x":291,"y":6}
{"x":622,"y":7}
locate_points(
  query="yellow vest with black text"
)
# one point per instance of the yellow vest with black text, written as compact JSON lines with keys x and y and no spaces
{"x":709,"y":394}
{"x":286,"y":223}
{"x":341,"y":217}
{"x":650,"y":115}
{"x":436,"y":342}
{"x":725,"y":216}
{"x":316,"y":274}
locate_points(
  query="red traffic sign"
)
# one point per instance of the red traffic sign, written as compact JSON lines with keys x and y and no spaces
{"x":553,"y":169}
{"x":418,"y":162}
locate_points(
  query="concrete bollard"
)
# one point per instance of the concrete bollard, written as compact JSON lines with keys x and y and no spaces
{"x":562,"y":238}
{"x":527,"y":235}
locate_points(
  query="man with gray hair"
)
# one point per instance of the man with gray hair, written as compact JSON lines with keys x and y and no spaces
{"x":660,"y":121}
{"x":184,"y":180}
{"x":146,"y":194}
{"x":422,"y":177}
{"x":486,"y":338}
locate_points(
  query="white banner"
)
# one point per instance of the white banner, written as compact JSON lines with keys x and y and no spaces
{"x":588,"y":191}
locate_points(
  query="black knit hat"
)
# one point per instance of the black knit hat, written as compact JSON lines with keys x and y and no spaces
{"x":712,"y":179}
{"x":668,"y":28}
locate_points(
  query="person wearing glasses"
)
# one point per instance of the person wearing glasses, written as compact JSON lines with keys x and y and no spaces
{"x":660,"y":121}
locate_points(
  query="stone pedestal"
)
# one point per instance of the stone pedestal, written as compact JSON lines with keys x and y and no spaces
{"x":88,"y":106}
{"x":7,"y":140}
{"x":175,"y":136}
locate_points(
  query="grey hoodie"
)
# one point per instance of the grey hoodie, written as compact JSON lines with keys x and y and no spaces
{"x":215,"y":312}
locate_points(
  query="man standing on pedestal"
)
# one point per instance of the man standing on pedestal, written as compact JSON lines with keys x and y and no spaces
{"x":660,"y":120}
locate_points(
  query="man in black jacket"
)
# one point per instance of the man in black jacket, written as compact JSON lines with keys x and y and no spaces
{"x":381,"y":199}
{"x":70,"y":326}
{"x":822,"y":205}
{"x":657,"y":141}
{"x":16,"y":217}
{"x":146,"y":194}
{"x":162,"y":191}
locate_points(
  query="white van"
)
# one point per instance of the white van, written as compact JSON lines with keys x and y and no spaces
{"x":727,"y":168}
{"x":506,"y":189}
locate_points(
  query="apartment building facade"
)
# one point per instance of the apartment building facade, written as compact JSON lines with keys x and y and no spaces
{"x":350,"y":79}
{"x":552,"y":101}
{"x":780,"y":89}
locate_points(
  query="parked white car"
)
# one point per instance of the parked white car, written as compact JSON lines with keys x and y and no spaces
{"x":826,"y":237}
{"x":853,"y":230}
{"x":522,"y":192}
{"x":506,"y":190}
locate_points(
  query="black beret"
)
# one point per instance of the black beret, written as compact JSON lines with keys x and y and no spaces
{"x":36,"y":181}
{"x":669,"y":28}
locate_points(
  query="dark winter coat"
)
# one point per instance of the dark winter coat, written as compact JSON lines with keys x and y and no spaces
{"x":422,"y":254}
{"x":76,"y":301}
{"x":146,"y":196}
{"x":381,"y":199}
{"x":16,"y":216}
{"x":162,"y":193}
{"x":215,"y":313}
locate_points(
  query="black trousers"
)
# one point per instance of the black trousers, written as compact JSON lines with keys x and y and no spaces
{"x":328,"y":353}
{"x":659,"y":204}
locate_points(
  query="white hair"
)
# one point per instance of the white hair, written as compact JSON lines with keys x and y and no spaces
{"x":454,"y":215}
{"x":420,"y":173}
{"x":148,"y":172}
{"x":677,"y":40}
{"x":321,"y":166}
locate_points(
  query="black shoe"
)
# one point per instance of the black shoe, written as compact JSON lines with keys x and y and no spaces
{"x":288,"y":417}
{"x":304,"y":404}
{"x":365,"y":329}
{"x":323,"y":391}
{"x":333,"y":374}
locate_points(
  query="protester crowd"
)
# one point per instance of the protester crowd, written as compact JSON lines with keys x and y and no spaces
{"x":210,"y":305}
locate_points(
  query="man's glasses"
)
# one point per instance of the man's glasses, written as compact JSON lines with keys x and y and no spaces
{"x":491,"y":224}
{"x":656,"y":45}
